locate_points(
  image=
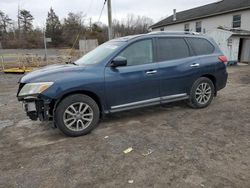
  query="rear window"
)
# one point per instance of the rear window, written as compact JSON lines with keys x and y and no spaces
{"x":172,"y":48}
{"x":201,"y":46}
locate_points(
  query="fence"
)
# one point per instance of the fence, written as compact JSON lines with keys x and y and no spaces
{"x":86,"y":46}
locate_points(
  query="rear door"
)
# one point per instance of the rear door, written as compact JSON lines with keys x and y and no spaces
{"x":209,"y":58}
{"x":177,"y":67}
{"x":205,"y":51}
{"x":136,"y":84}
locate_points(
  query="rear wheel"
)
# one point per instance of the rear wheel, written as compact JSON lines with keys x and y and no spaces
{"x":202,"y":93}
{"x":77,"y":115}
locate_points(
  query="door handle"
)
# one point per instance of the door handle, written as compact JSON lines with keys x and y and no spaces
{"x":151,"y":72}
{"x":195,"y":65}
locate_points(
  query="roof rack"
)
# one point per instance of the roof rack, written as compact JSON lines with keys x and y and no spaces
{"x":173,"y":33}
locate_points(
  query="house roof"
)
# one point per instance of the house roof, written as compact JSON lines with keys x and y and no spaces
{"x":213,"y":9}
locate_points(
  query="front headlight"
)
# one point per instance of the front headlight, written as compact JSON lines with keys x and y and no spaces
{"x":34,"y":88}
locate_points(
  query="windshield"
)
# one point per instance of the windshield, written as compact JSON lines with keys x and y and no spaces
{"x":99,"y":54}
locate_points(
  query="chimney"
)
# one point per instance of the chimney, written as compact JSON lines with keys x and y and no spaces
{"x":174,"y":15}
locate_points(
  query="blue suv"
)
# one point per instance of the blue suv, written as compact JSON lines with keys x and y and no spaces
{"x":123,"y":74}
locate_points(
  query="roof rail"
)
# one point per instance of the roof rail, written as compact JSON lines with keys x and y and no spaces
{"x":173,"y":33}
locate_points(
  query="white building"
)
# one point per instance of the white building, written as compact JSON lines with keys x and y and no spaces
{"x":227,"y":21}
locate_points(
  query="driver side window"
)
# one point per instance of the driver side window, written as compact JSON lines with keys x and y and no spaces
{"x":139,"y":53}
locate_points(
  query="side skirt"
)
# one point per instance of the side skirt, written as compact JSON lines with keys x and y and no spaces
{"x":150,"y":102}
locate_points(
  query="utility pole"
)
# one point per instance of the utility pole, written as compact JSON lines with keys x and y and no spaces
{"x":45,"y":45}
{"x":90,"y":24}
{"x":19,"y":26}
{"x":110,"y":30}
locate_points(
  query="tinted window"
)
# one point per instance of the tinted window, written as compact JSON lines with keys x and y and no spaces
{"x":139,"y":53}
{"x":172,"y":48}
{"x":201,"y":46}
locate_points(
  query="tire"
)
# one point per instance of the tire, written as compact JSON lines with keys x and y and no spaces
{"x":77,"y":115}
{"x":200,"y":97}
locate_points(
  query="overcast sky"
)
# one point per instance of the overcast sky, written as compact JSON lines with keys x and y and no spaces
{"x":156,"y":9}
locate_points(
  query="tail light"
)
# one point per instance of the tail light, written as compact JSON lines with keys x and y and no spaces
{"x":223,"y":59}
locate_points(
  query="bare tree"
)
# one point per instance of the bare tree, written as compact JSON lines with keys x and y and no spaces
{"x":132,"y":25}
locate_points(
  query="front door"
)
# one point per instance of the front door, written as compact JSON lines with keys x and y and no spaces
{"x":136,"y":84}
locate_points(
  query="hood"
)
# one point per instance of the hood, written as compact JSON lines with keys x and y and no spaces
{"x":51,"y":73}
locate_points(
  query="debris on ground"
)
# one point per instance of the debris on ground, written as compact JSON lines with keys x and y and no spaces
{"x":130,"y":181}
{"x":106,"y":137}
{"x":148,"y":152}
{"x":128,"y":150}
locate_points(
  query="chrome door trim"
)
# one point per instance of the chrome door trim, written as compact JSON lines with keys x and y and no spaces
{"x":151,"y":72}
{"x":174,"y":96}
{"x":137,"y":103}
{"x":154,"y":100}
{"x":195,"y":65}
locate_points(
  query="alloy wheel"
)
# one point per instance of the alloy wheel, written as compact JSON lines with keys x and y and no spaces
{"x":203,"y":93}
{"x":78,"y":116}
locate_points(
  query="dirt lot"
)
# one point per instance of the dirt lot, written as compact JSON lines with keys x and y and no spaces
{"x":190,"y":148}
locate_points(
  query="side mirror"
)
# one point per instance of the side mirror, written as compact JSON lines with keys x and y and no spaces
{"x":119,"y":62}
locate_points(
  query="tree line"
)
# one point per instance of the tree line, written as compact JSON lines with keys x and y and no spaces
{"x":64,"y":33}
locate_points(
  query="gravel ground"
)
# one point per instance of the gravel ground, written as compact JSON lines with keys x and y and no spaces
{"x":185,"y":147}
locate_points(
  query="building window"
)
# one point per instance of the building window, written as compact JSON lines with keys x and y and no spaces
{"x":198,"y":27}
{"x":186,"y":27}
{"x":162,"y":29}
{"x":204,"y":30}
{"x":230,"y":42}
{"x":236,"y":21}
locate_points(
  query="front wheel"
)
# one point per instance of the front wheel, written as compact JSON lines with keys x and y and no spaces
{"x":77,"y":115}
{"x":202,"y":93}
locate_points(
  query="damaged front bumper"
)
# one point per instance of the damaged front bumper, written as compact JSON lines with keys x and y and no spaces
{"x":37,"y":107}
